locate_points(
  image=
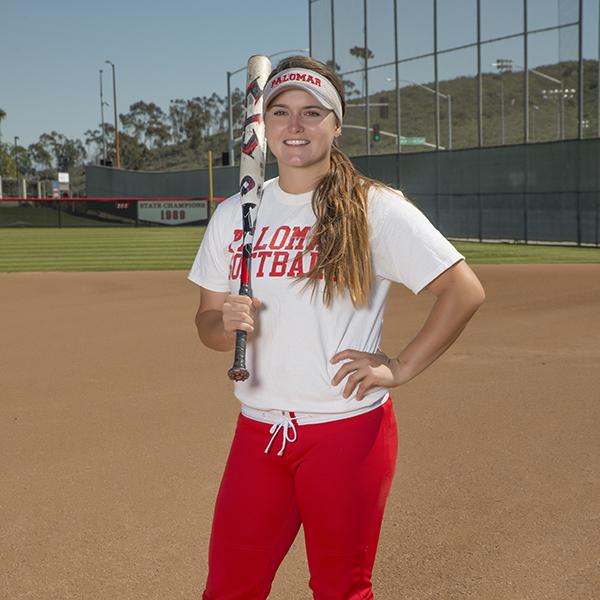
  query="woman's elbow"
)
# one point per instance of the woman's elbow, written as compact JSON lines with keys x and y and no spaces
{"x":478,"y":294}
{"x":197,"y":324}
{"x":471,"y":288}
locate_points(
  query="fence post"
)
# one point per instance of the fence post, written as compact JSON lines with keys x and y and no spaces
{"x":525,"y":216}
{"x":579,"y":183}
{"x":479,"y":197}
{"x":437,"y":190}
{"x":578,"y":218}
{"x":480,"y":217}
{"x":597,"y":202}
{"x":526,"y":195}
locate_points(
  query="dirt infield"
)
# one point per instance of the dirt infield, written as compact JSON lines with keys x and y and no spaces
{"x":115,"y":425}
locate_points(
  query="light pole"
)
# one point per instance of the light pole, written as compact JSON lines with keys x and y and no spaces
{"x":16,"y":164}
{"x":561,"y":95}
{"x":535,"y":108}
{"x":117,"y":150}
{"x":102,"y":119}
{"x":231,"y":143}
{"x":448,"y":100}
{"x":503,"y":65}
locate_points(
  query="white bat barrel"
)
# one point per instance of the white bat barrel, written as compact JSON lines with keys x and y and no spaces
{"x":252,"y":177}
{"x":254,"y":143}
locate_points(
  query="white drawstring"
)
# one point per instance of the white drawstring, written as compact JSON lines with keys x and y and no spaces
{"x":286,"y":424}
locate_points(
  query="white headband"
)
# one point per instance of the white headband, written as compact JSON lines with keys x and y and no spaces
{"x":315,"y":84}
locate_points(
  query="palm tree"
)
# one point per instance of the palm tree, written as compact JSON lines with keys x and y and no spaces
{"x":362,"y":54}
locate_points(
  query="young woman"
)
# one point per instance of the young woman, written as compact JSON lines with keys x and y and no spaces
{"x":316,"y":439}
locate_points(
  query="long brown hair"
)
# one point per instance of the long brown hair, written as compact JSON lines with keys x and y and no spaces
{"x":340,"y":204}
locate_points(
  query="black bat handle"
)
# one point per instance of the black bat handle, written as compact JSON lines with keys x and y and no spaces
{"x":239,"y":372}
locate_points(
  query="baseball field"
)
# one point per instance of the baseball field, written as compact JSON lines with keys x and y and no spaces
{"x":115,"y":423}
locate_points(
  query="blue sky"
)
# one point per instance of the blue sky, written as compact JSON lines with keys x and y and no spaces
{"x":51,"y":51}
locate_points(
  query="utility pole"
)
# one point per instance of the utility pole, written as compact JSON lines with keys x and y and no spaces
{"x":17,"y":165}
{"x":117,"y":150}
{"x":102,"y":119}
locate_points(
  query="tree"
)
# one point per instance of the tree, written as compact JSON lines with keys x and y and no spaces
{"x":362,"y":53}
{"x":196,"y":121}
{"x":7,"y":164}
{"x":215,"y":106}
{"x":39,"y":155}
{"x":133,"y":153}
{"x":350,"y":88}
{"x":67,"y":153}
{"x":177,"y":116}
{"x":93,"y":137}
{"x":237,"y":108}
{"x":147,"y":123}
{"x":22,"y":161}
{"x":359,"y":52}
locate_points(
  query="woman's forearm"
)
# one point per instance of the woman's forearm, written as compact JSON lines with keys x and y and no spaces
{"x":448,"y":317}
{"x":212,"y":332}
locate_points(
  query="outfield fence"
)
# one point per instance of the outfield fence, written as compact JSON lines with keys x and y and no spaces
{"x":99,"y":212}
{"x":546,"y":193}
{"x":569,"y":217}
{"x":549,"y":217}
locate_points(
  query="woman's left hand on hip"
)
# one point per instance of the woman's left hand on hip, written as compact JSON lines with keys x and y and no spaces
{"x":367,"y":371}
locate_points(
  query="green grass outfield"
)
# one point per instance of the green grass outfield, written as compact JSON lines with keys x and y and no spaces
{"x":123,"y":249}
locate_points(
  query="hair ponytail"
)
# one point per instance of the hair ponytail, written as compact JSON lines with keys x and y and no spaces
{"x":341,"y":232}
{"x":340,"y":203}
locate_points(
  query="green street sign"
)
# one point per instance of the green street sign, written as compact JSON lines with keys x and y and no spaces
{"x":412,"y":141}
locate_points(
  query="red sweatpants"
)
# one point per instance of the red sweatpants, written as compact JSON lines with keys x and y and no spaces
{"x":334,"y":480}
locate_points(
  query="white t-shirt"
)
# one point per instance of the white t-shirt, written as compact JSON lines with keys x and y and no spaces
{"x":296,"y":335}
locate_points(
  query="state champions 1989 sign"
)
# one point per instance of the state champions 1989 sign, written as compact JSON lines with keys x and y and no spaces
{"x":172,"y":212}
